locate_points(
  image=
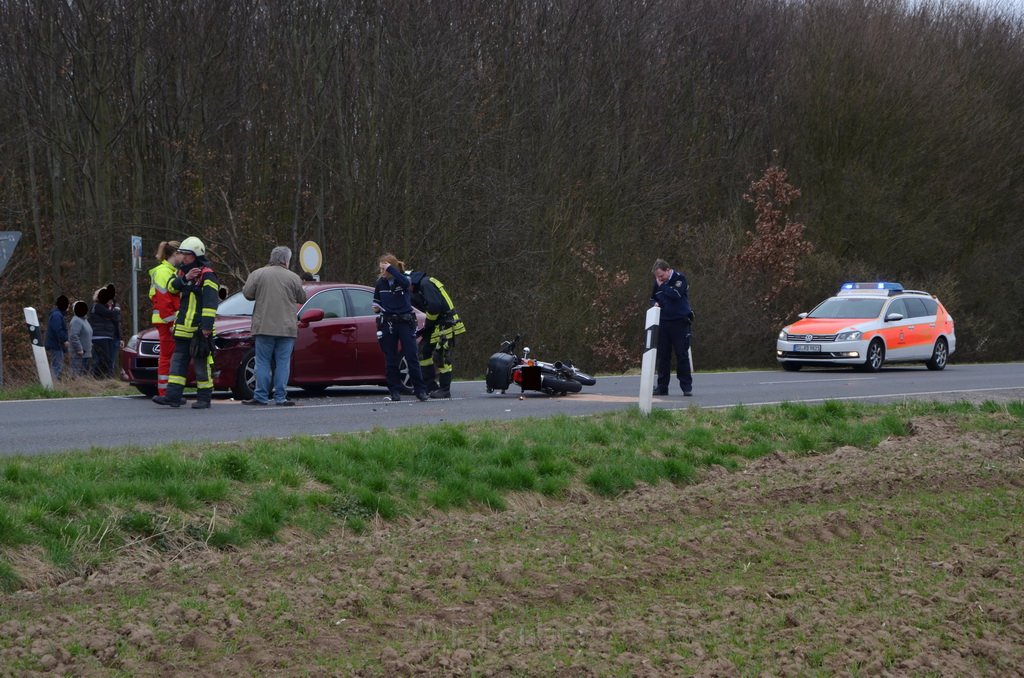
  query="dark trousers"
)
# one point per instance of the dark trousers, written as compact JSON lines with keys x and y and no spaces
{"x":398,"y":340}
{"x":436,"y":357}
{"x":674,"y":337}
{"x":179,"y":369}
{"x":103,"y":355}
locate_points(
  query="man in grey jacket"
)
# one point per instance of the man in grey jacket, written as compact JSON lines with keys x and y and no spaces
{"x":276,"y":291}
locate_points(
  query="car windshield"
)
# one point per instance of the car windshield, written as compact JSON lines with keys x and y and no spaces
{"x":848,"y":308}
{"x":236,"y":304}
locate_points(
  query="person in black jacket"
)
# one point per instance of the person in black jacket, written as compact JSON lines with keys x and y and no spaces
{"x":671,"y":293}
{"x":105,"y":319}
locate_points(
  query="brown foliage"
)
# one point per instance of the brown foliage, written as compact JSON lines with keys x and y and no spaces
{"x":777,"y":245}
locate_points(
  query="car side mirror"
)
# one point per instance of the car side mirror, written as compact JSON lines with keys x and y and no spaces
{"x":311,"y":316}
{"x":893,"y":316}
{"x":802,"y":315}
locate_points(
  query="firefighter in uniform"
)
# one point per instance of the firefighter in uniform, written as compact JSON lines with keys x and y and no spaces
{"x":442,"y":326}
{"x":193,"y":329}
{"x":165,"y":307}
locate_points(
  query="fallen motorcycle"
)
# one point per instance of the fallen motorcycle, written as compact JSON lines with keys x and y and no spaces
{"x":505,"y":368}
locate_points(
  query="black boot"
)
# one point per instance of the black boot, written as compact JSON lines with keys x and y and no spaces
{"x":428,"y":377}
{"x":445,"y":389}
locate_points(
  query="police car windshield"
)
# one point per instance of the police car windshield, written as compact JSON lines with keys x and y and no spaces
{"x":837,"y":307}
{"x":236,"y":304}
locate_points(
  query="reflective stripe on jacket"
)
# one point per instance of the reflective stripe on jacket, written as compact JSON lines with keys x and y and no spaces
{"x":166,"y":300}
{"x":199,"y":300}
{"x":430,"y":296}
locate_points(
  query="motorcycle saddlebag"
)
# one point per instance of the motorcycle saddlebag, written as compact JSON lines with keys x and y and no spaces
{"x":499,"y":371}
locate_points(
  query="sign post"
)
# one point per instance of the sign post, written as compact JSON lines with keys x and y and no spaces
{"x":311,"y":258}
{"x":650,"y":358}
{"x":8,"y":241}
{"x":136,"y":268}
{"x":38,"y":348}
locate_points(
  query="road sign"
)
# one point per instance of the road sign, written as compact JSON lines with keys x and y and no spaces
{"x":310,"y":257}
{"x":8,"y":240}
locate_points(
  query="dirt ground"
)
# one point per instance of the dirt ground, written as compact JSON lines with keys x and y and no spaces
{"x":905,"y":559}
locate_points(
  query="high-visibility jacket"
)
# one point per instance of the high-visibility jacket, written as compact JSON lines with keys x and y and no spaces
{"x":166,"y":300}
{"x":430,"y":296}
{"x":199,"y":300}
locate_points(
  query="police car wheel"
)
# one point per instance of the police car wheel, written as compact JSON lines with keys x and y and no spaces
{"x":940,"y":355}
{"x":875,"y":358}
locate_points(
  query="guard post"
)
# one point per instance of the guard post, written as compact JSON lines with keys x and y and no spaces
{"x":38,"y":348}
{"x":8,"y":241}
{"x":650,"y":358}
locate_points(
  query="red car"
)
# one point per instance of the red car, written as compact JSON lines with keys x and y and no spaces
{"x":336,"y":345}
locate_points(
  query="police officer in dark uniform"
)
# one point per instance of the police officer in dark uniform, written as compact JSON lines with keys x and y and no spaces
{"x":671,"y":294}
{"x":392,"y":299}
{"x":442,"y":326}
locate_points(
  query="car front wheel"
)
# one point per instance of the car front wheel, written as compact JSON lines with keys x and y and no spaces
{"x":940,"y":355}
{"x":875,"y":358}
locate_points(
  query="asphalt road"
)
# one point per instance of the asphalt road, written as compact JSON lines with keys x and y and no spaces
{"x":47,"y":426}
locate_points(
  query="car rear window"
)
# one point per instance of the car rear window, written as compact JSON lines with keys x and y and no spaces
{"x":847,"y":308}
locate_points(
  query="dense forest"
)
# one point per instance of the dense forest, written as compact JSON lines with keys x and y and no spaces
{"x":536,"y":155}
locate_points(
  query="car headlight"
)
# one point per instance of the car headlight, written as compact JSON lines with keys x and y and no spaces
{"x":853,"y":335}
{"x":133,"y":343}
{"x":783,"y":336}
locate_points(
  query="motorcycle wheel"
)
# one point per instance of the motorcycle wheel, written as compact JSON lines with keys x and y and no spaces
{"x":584,"y":378}
{"x":556,"y":384}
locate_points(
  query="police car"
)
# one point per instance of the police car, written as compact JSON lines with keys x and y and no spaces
{"x":867,"y":325}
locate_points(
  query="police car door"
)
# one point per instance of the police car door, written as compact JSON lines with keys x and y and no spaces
{"x":894,"y":330}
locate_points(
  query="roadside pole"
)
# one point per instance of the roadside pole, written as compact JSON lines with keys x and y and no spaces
{"x":8,"y":241}
{"x":38,"y":349}
{"x":650,"y":357}
{"x":136,"y":268}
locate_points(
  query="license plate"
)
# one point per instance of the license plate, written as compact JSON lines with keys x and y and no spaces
{"x":807,"y":348}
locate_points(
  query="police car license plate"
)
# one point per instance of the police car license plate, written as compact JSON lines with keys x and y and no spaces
{"x":807,"y":348}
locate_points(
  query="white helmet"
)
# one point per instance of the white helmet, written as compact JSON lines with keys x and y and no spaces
{"x":192,"y":245}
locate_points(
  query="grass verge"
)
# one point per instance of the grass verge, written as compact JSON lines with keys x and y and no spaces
{"x":78,"y":510}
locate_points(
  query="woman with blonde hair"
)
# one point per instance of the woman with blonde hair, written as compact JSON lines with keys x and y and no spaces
{"x":396,"y":322}
{"x":166,"y":302}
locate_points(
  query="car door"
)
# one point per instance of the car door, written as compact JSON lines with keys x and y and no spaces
{"x":367,"y":362}
{"x":325,"y":349}
{"x":920,"y":329}
{"x":895,"y":331}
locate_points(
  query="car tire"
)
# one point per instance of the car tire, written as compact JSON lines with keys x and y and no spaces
{"x":875,"y":358}
{"x":940,"y":355}
{"x":403,"y":374}
{"x":149,"y":390}
{"x":245,"y":377}
{"x":791,"y":367}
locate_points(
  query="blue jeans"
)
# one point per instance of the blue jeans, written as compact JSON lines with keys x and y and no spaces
{"x":273,"y":354}
{"x":56,"y":362}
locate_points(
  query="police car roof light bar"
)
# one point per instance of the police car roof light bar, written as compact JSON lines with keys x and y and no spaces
{"x":889,"y":288}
